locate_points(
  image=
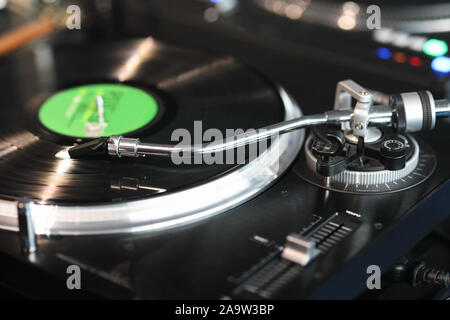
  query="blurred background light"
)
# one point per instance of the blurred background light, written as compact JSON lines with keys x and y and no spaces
{"x":441,"y":64}
{"x":435,"y":47}
{"x":384,"y":53}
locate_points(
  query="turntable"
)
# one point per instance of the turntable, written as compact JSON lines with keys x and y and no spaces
{"x":151,"y":101}
{"x":88,"y":177}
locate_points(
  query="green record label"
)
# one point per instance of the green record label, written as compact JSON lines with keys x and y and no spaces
{"x":98,"y":110}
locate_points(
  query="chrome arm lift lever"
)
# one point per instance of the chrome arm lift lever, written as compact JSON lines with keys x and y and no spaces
{"x":346,"y":90}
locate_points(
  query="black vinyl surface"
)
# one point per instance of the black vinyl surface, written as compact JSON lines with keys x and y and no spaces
{"x":190,"y":86}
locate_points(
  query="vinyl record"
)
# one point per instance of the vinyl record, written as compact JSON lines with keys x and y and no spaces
{"x":149,"y":90}
{"x":186,"y":86}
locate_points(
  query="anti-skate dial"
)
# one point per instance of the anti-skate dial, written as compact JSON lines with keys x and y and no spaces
{"x":373,"y":177}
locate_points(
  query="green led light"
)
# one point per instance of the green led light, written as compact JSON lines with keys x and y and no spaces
{"x":435,"y":47}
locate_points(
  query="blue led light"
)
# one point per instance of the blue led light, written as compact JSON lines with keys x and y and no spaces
{"x":384,"y":53}
{"x":441,"y":64}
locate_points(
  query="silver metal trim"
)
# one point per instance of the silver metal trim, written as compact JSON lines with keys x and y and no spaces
{"x":299,"y":249}
{"x":413,"y":111}
{"x":373,"y":134}
{"x":442,"y":108}
{"x":369,"y":177}
{"x":345,"y":91}
{"x":113,"y":146}
{"x":28,"y":242}
{"x":172,"y":209}
{"x":433,"y":110}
